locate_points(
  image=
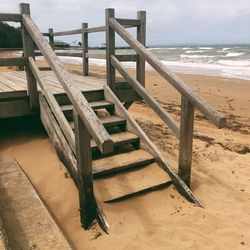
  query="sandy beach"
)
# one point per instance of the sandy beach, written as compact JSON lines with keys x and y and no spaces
{"x":162,"y":219}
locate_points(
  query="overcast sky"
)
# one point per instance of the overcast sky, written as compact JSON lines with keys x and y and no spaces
{"x":168,"y":21}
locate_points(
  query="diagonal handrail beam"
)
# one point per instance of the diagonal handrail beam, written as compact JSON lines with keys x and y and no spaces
{"x":88,"y":116}
{"x":58,"y":113}
{"x":161,"y":112}
{"x":212,"y":114}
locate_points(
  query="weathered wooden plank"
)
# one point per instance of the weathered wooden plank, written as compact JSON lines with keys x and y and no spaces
{"x":28,"y":50}
{"x":128,"y":22}
{"x":4,"y":17}
{"x":127,"y":58}
{"x":162,"y":113}
{"x":52,"y":83}
{"x":15,"y":108}
{"x":51,"y":38}
{"x":147,"y":144}
{"x":17,"y":61}
{"x":212,"y":114}
{"x":140,"y":192}
{"x":68,"y":32}
{"x":85,"y":48}
{"x":63,"y":123}
{"x":110,"y":49}
{"x":95,"y":29}
{"x":57,"y":137}
{"x":93,"y":124}
{"x":120,"y":162}
{"x":186,"y":140}
{"x":141,"y":37}
{"x":96,"y":55}
{"x":127,"y":95}
{"x":13,"y":94}
{"x":44,"y":68}
{"x":84,"y":171}
{"x":10,"y":84}
{"x":65,"y":154}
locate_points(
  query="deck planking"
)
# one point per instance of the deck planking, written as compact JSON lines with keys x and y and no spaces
{"x":14,"y":83}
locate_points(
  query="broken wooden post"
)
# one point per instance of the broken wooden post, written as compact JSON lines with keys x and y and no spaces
{"x":28,"y":50}
{"x":186,"y":140}
{"x":110,"y":49}
{"x":51,"y":39}
{"x":84,"y":172}
{"x":85,"y":48}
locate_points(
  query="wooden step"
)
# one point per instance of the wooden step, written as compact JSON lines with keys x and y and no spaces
{"x":120,"y":162}
{"x":103,"y":104}
{"x":119,"y":139}
{"x":91,"y":96}
{"x":95,"y":105}
{"x":109,"y":121}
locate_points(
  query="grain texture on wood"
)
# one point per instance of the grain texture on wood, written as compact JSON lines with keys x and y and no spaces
{"x":141,"y":37}
{"x":15,"y":108}
{"x":130,"y":22}
{"x":162,"y":113}
{"x":148,"y":145}
{"x":110,"y":49}
{"x":85,"y":48}
{"x":88,"y":116}
{"x":59,"y":141}
{"x":68,"y":32}
{"x":63,"y":123}
{"x":95,"y":29}
{"x":18,"y":61}
{"x":84,"y":172}
{"x":175,"y":81}
{"x":10,"y":17}
{"x":51,"y":38}
{"x":186,"y":140}
{"x":28,"y":50}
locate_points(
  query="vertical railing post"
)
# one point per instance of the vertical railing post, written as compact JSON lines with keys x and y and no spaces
{"x":84,"y":171}
{"x":141,"y":37}
{"x":85,"y":48}
{"x":51,"y":39}
{"x":186,"y":140}
{"x":28,"y":50}
{"x":110,"y":49}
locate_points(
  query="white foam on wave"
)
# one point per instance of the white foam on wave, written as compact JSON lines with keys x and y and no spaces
{"x":194,"y":51}
{"x":233,"y":54}
{"x":196,"y":56}
{"x":162,"y":48}
{"x":245,"y":63}
{"x":229,"y":68}
{"x":207,"y":48}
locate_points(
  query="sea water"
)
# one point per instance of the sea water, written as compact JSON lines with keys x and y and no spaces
{"x":217,"y":60}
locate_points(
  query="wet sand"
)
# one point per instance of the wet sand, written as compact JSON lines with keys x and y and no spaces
{"x":163,"y":219}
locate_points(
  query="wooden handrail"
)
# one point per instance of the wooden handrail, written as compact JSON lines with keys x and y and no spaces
{"x":6,"y":17}
{"x":88,"y":116}
{"x":127,"y":23}
{"x":162,"y":113}
{"x":67,"y":131}
{"x":212,"y":114}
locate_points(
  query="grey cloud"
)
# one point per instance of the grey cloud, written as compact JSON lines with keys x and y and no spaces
{"x":168,"y":22}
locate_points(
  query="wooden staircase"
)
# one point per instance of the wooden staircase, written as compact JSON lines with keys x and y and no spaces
{"x":127,"y":152}
{"x":92,"y":131}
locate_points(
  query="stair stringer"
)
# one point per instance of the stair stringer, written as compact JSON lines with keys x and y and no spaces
{"x":64,"y":152}
{"x":147,"y":144}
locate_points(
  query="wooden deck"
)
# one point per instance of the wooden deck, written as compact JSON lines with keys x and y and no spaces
{"x":14,"y":84}
{"x":14,"y":100}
